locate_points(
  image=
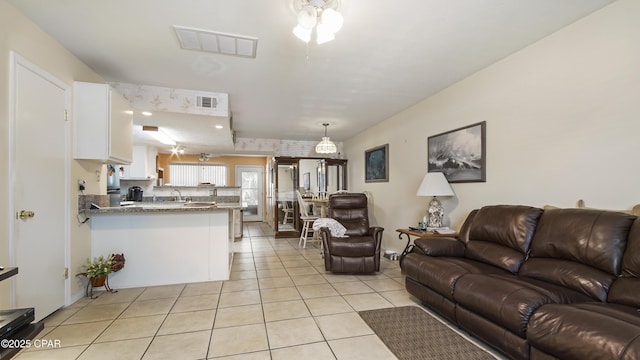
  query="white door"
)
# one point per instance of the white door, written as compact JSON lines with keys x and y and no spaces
{"x":40,"y":188}
{"x":251,"y":180}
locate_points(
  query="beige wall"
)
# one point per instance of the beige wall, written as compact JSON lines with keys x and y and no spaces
{"x":563,"y":123}
{"x":20,"y":35}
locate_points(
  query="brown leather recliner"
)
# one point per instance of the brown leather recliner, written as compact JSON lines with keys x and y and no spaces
{"x":360,"y":251}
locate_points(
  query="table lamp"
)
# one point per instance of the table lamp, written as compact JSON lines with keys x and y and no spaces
{"x":435,"y":184}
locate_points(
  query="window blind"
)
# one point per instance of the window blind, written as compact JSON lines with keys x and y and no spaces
{"x":194,"y":174}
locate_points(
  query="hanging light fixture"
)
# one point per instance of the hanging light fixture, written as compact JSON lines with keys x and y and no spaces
{"x":322,"y":15}
{"x":326,"y":146}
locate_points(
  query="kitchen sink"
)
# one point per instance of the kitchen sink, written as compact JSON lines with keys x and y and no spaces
{"x":199,"y":204}
{"x":160,"y":205}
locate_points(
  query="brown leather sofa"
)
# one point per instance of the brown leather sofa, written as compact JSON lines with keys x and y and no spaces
{"x":560,"y":283}
{"x":360,"y":251}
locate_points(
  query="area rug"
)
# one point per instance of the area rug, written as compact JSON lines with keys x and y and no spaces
{"x":412,"y":334}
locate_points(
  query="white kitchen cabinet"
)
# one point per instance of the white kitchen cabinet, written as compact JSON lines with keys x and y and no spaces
{"x":103,"y":124}
{"x":143,"y":164}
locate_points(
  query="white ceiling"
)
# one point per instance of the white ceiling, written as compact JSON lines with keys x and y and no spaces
{"x":388,"y":55}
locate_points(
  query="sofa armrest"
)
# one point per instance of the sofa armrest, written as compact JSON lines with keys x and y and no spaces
{"x":440,"y":246}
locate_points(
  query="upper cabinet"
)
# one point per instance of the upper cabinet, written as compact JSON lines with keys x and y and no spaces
{"x":103,"y":124}
{"x":143,"y":165}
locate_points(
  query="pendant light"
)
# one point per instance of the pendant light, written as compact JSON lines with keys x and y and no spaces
{"x":326,"y":146}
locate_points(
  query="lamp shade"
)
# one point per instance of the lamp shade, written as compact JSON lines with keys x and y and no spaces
{"x":326,"y":146}
{"x":435,"y":184}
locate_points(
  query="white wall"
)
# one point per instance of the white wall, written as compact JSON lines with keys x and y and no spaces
{"x":19,"y":34}
{"x":563,"y":123}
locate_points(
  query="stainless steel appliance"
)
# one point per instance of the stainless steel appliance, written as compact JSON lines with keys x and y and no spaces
{"x":113,"y":179}
{"x":135,"y":193}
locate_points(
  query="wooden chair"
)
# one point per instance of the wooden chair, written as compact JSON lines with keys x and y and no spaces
{"x":287,"y":209}
{"x":307,"y":221}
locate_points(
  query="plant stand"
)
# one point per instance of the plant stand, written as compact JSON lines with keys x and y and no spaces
{"x":101,"y":281}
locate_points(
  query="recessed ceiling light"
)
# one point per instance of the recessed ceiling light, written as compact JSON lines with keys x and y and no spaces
{"x":219,"y":126}
{"x":129,"y":112}
{"x":146,"y":113}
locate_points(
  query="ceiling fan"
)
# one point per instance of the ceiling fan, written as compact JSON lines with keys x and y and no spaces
{"x":205,"y":156}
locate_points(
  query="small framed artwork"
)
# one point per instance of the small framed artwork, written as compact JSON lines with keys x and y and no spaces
{"x":460,"y":154}
{"x":376,"y":164}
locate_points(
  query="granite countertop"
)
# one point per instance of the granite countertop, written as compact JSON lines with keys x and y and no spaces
{"x":163,"y":208}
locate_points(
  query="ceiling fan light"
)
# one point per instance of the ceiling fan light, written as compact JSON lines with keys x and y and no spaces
{"x":320,"y":15}
{"x":332,"y":19}
{"x":302,"y":33}
{"x":308,"y":17}
{"x":324,"y":34}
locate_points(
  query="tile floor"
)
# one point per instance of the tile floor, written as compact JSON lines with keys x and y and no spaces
{"x":279,"y":304}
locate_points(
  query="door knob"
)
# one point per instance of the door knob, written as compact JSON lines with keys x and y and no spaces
{"x":25,"y":214}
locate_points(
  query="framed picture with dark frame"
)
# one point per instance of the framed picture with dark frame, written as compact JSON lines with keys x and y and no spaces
{"x":376,"y":164}
{"x":460,"y":153}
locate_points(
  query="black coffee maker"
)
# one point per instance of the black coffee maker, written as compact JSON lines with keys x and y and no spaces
{"x":135,"y":193}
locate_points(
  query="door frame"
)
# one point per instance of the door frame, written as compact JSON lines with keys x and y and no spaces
{"x":261,"y":196}
{"x":16,"y":60}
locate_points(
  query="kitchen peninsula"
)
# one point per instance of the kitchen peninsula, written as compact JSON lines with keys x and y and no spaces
{"x":166,"y":243}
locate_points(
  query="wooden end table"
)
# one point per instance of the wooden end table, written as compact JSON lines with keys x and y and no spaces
{"x":417,"y":233}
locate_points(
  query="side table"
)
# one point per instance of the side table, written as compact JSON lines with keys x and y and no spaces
{"x":417,"y":233}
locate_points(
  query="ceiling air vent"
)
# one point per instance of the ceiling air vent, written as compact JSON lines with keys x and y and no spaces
{"x":216,"y":42}
{"x":206,"y":102}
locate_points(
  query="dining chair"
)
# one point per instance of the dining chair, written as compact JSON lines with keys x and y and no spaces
{"x":287,"y":209}
{"x":307,"y":221}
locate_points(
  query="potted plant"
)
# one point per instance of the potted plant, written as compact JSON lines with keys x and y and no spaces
{"x":98,"y":270}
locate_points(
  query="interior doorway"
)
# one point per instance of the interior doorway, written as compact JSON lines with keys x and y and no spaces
{"x":251,"y":179}
{"x":39,"y":149}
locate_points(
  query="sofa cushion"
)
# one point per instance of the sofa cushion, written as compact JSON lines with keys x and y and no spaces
{"x":351,"y":210}
{"x":441,"y":273}
{"x":586,"y":331}
{"x":509,"y":300}
{"x":573,"y":275}
{"x":500,"y":235}
{"x":626,"y":288}
{"x":353,"y":246}
{"x":631,"y":259}
{"x":578,"y":248}
{"x":593,"y":237}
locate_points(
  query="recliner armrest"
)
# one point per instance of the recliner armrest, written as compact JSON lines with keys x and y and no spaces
{"x":440,"y":246}
{"x":376,"y":231}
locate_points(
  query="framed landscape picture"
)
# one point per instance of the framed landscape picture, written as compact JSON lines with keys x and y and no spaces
{"x":376,"y":164}
{"x":460,"y":154}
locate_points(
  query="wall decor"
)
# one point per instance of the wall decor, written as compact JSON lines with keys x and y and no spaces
{"x":376,"y":164}
{"x":460,"y":154}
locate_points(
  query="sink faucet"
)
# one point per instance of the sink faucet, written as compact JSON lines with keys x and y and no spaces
{"x":179,"y":198}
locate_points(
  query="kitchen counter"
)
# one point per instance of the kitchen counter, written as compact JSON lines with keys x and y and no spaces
{"x":166,"y":243}
{"x":144,"y":207}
